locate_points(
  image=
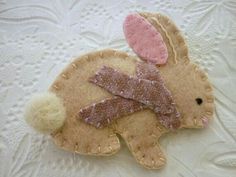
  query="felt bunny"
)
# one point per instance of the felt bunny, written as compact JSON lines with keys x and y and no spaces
{"x":57,"y":111}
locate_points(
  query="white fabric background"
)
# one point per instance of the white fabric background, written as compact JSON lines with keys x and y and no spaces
{"x":38,"y":38}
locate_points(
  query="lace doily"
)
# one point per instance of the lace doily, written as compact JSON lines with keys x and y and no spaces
{"x":38,"y":39}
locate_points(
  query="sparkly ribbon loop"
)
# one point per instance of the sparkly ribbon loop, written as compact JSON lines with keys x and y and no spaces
{"x":147,"y":90}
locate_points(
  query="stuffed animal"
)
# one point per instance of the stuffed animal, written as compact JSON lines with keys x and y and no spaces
{"x":105,"y":93}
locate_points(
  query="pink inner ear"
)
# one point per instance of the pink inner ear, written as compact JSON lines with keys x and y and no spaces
{"x":144,"y":39}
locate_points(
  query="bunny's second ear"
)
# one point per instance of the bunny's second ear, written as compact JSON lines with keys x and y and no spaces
{"x":145,"y":40}
{"x":174,"y":40}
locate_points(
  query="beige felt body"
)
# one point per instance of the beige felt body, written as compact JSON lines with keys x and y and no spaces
{"x":140,"y":130}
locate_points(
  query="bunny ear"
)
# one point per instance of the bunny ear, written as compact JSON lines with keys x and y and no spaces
{"x":176,"y":45}
{"x":145,"y":40}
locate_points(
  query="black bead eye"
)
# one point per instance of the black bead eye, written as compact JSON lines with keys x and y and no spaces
{"x":199,"y":101}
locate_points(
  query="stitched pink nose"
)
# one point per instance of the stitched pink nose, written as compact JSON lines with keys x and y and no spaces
{"x":144,"y":39}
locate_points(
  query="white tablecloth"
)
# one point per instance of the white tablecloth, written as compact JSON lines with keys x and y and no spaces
{"x":38,"y":38}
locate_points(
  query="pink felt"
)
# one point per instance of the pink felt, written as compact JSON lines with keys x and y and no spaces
{"x":205,"y":121}
{"x":145,"y":40}
{"x":153,"y":94}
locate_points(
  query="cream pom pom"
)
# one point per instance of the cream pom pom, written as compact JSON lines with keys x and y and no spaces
{"x":45,"y":112}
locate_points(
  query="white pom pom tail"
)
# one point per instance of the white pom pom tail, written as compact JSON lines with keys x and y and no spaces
{"x":45,"y":112}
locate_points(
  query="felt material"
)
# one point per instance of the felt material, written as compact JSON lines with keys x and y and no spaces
{"x":153,"y":94}
{"x":148,"y":71}
{"x":105,"y":112}
{"x":140,"y":130}
{"x":144,"y":39}
{"x":205,"y":121}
